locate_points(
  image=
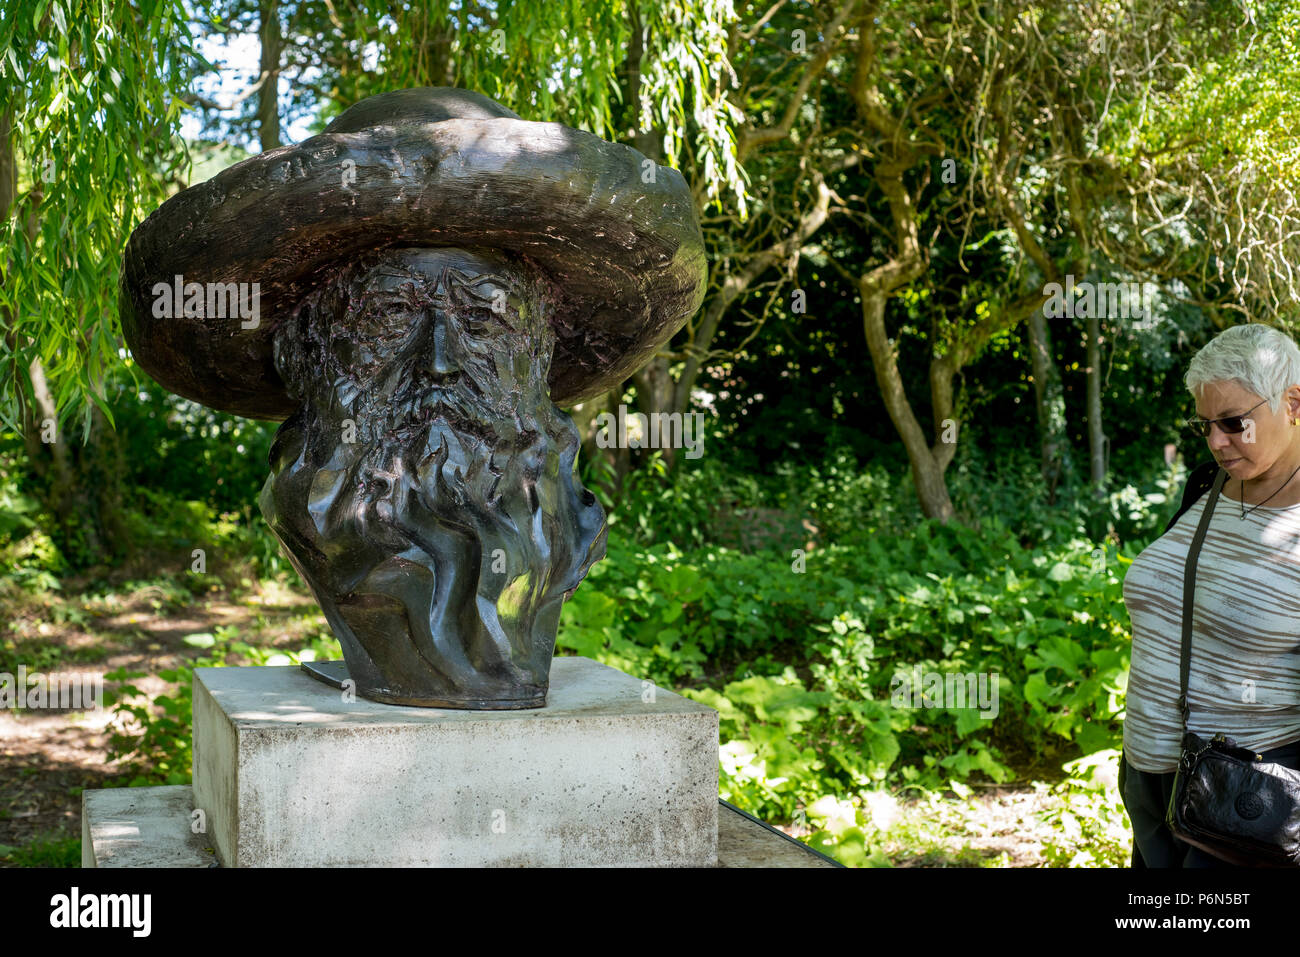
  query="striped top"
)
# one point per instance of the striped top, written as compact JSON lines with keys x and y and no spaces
{"x":1245,"y":670}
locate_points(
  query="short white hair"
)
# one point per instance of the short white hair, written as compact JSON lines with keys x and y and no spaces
{"x":1258,"y":357}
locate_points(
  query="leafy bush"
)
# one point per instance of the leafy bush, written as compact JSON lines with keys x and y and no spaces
{"x":847,"y":501}
{"x":851,"y":502}
{"x":30,"y":557}
{"x":846,"y":832}
{"x":153,"y":740}
{"x":801,"y":665}
{"x":1090,"y":816}
{"x":236,"y":544}
{"x":187,"y":451}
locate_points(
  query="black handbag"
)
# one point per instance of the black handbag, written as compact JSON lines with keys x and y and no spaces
{"x":1226,"y":800}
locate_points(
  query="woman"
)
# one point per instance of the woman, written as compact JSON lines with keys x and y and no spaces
{"x":1245,"y":661}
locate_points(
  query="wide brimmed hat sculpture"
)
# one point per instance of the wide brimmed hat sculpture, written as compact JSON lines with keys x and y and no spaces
{"x":412,"y":291}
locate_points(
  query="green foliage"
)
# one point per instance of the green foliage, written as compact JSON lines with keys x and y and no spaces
{"x":152,"y":738}
{"x":1138,"y":516}
{"x":513,"y":50}
{"x":34,"y":563}
{"x":187,"y":451}
{"x":846,"y":832}
{"x":233,"y":542}
{"x":1090,"y":817}
{"x":50,"y":850}
{"x":36,"y":656}
{"x":801,"y":666}
{"x":32,"y":560}
{"x":681,"y":505}
{"x":191,"y":481}
{"x":844,"y":501}
{"x":17,"y":511}
{"x":96,"y":91}
{"x":1229,"y":118}
{"x":768,"y":762}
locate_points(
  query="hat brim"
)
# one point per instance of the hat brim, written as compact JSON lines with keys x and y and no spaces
{"x":626,"y":256}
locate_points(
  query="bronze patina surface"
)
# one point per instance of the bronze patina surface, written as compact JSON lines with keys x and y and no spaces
{"x":428,"y":278}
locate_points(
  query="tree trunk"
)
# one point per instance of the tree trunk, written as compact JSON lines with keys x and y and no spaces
{"x":1096,"y":437}
{"x":618,"y":460}
{"x":1049,"y":402}
{"x":654,"y":395}
{"x":268,"y":105}
{"x":648,"y":142}
{"x":80,"y":485}
{"x":927,"y":464}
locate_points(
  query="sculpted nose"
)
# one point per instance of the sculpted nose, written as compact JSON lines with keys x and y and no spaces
{"x":437,"y":353}
{"x":442,"y":364}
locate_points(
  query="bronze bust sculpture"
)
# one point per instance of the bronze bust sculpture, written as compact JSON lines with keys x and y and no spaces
{"x":429,"y":277}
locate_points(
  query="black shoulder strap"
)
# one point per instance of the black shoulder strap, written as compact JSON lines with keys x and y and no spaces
{"x":1197,"y":484}
{"x":1189,"y":589}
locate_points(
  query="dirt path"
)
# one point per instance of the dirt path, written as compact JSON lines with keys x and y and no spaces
{"x":48,"y":756}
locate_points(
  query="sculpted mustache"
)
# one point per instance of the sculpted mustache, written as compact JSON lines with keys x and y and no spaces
{"x":418,"y":394}
{"x":408,"y":416}
{"x":414,"y":435}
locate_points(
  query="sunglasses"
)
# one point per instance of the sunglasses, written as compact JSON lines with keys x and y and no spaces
{"x":1232,"y":424}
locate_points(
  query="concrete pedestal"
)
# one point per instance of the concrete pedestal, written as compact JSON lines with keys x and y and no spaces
{"x":154,"y":827}
{"x":612,"y":772}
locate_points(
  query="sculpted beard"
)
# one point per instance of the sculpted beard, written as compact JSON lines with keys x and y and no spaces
{"x":455,"y":512}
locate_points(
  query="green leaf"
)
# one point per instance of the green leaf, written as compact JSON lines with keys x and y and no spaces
{"x":1093,"y":737}
{"x":968,"y":720}
{"x":1037,"y":691}
{"x":1059,"y":652}
{"x":1060,"y":572}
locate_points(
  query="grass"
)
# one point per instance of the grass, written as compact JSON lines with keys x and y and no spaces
{"x":47,"y":850}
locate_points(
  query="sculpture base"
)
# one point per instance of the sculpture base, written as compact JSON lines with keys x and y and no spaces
{"x":290,"y":772}
{"x":153,"y":827}
{"x":335,"y":674}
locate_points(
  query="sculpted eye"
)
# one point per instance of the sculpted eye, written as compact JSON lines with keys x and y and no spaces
{"x":482,"y":321}
{"x":384,"y":320}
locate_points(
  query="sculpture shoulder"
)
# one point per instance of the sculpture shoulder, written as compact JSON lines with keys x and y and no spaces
{"x":1198,"y":483}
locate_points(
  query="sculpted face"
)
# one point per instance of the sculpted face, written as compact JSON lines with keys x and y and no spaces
{"x":425,"y":489}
